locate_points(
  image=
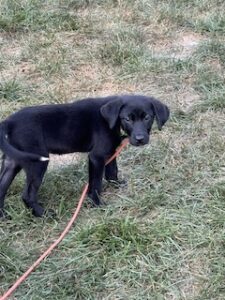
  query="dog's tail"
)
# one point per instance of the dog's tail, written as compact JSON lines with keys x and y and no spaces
{"x":12,"y":152}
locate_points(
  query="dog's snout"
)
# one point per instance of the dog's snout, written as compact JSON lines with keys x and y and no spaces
{"x":139,"y":138}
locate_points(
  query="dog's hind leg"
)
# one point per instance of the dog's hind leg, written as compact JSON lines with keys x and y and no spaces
{"x":34,"y":175}
{"x":9,"y":170}
{"x":96,"y":168}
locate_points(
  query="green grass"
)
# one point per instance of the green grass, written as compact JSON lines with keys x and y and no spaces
{"x":211,"y":84}
{"x":214,"y":23}
{"x":10,"y":90}
{"x":123,"y":47}
{"x":212,"y":50}
{"x":161,"y":236}
{"x":35,"y":15}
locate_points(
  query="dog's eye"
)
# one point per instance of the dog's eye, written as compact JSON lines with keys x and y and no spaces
{"x":128,"y":119}
{"x":147,"y":117}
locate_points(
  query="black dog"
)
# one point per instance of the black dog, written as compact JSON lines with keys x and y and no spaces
{"x":91,"y":125}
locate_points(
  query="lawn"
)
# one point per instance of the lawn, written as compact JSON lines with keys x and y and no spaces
{"x":161,"y":237}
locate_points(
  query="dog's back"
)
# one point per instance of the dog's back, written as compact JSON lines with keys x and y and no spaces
{"x":57,"y":128}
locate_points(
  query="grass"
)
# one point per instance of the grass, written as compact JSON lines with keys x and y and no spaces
{"x":123,"y":47}
{"x":34,"y":15}
{"x":162,"y":235}
{"x":10,"y":90}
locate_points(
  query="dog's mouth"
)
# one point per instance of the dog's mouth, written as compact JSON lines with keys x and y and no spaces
{"x":138,"y":142}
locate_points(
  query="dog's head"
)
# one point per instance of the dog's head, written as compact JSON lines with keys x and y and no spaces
{"x":136,"y":115}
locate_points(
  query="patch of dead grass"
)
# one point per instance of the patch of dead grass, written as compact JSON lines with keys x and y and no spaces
{"x":181,"y":46}
{"x":186,"y":99}
{"x":60,"y":161}
{"x":187,"y":42}
{"x":190,"y":278}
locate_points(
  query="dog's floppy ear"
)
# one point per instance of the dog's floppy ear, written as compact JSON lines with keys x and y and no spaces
{"x":111,"y":110}
{"x":161,"y":111}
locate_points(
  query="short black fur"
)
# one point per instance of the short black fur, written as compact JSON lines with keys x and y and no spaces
{"x":28,"y":136}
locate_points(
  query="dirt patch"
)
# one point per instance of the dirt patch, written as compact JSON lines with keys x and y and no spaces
{"x":187,"y":44}
{"x":111,"y":88}
{"x":191,"y":277}
{"x":13,"y":51}
{"x":215,"y":64}
{"x":91,"y":80}
{"x":59,"y":161}
{"x":26,"y":70}
{"x":14,"y":63}
{"x":187,"y":99}
{"x":181,"y":46}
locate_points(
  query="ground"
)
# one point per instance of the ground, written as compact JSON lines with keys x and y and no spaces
{"x":163,"y":235}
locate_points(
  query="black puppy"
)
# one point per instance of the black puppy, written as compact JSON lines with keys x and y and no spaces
{"x":91,"y":125}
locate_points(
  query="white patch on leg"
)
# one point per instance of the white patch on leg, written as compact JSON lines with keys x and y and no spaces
{"x":42,"y":158}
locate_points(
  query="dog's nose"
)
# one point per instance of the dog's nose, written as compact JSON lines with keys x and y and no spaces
{"x":139,"y":138}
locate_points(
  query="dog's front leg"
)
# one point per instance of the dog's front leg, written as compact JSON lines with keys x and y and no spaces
{"x":111,"y":174}
{"x":111,"y":171}
{"x":96,"y":169}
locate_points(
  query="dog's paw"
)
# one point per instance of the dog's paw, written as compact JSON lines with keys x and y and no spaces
{"x":96,"y":202}
{"x":50,"y":213}
{"x":38,"y":211}
{"x":118,"y":183}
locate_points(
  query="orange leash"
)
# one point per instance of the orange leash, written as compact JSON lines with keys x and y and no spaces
{"x":65,"y":231}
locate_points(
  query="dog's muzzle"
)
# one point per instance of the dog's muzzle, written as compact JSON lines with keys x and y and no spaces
{"x":139,"y":140}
